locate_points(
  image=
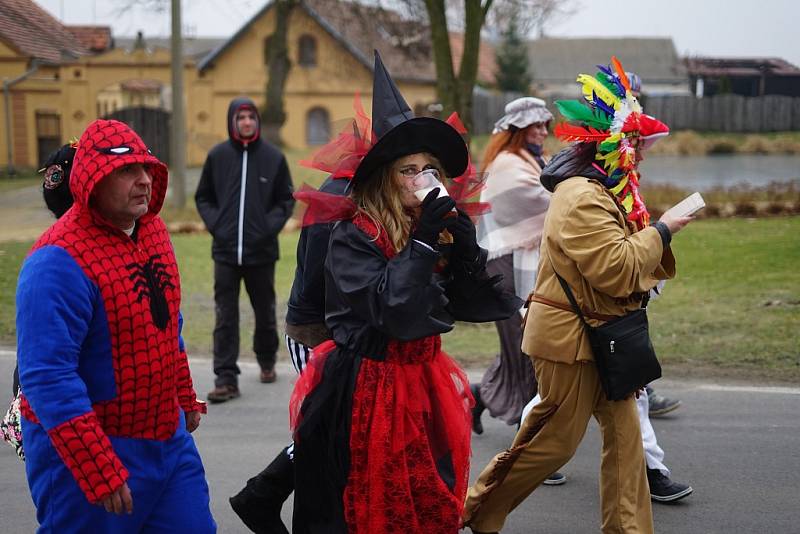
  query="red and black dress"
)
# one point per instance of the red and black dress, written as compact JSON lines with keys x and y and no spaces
{"x":383,"y":440}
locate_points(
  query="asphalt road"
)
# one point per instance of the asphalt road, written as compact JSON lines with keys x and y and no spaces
{"x":738,"y":446}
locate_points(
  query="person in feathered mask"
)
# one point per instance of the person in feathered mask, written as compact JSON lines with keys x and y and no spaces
{"x":598,"y":239}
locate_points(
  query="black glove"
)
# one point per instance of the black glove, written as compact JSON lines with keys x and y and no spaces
{"x":432,"y":218}
{"x":465,"y":240}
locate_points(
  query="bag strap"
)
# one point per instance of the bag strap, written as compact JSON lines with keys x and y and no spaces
{"x":568,"y":292}
{"x":571,"y":298}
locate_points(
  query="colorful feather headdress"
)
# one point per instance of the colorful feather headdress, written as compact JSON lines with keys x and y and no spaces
{"x":615,"y":121}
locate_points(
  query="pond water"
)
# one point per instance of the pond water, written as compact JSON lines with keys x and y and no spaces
{"x":702,"y":173}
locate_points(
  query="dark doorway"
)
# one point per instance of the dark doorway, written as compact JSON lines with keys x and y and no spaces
{"x":151,"y":124}
{"x":48,"y":134}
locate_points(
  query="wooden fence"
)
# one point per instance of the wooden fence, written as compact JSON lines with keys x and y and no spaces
{"x":721,"y":113}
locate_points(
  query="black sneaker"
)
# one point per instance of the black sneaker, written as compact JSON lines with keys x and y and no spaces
{"x":662,"y":489}
{"x":660,"y":405}
{"x":556,"y":479}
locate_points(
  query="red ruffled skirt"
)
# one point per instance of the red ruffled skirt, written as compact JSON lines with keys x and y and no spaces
{"x":409,"y":439}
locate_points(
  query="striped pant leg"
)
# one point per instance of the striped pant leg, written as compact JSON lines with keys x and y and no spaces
{"x":298,"y":353}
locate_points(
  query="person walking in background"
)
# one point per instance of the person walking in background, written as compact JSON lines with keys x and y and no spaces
{"x":510,"y":232}
{"x":107,"y":399}
{"x":658,"y":405}
{"x":598,"y":239}
{"x":244,"y":197}
{"x":382,"y":443}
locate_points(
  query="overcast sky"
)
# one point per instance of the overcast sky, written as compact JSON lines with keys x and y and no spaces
{"x":698,"y":27}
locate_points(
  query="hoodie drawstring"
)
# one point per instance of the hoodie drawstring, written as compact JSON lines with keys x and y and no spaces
{"x":240,"y":243}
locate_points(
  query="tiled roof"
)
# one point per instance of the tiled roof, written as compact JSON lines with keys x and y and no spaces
{"x":94,"y":38}
{"x":740,"y":66}
{"x":35,"y":33}
{"x":193,"y":47}
{"x":404,"y":44}
{"x":560,"y":60}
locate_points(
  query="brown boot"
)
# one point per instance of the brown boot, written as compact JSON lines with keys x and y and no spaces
{"x":223,"y":393}
{"x":268,"y":376}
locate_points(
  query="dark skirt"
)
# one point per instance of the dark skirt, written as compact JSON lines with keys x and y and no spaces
{"x":509,"y":383}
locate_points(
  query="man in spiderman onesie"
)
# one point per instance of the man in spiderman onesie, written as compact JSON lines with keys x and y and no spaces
{"x":107,"y":396}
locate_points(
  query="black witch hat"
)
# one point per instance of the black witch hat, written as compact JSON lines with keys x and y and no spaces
{"x":399,"y":133}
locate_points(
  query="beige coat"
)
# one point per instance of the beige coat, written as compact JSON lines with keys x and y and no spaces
{"x":518,"y":201}
{"x":608,"y":267}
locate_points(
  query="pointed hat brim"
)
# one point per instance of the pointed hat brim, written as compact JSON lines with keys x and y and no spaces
{"x":420,"y":134}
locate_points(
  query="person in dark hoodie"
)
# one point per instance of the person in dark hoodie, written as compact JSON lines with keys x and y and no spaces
{"x":244,"y":197}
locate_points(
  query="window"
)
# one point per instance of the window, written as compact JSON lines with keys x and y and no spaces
{"x":318,"y":126}
{"x":307,"y":51}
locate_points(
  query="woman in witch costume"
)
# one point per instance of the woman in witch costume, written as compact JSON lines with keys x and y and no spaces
{"x":383,"y":439}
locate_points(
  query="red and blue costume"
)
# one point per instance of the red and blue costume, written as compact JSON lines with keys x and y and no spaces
{"x":103,"y":371}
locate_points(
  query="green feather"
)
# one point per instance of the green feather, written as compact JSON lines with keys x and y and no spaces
{"x":602,"y":78}
{"x":608,"y":146}
{"x":573,"y":110}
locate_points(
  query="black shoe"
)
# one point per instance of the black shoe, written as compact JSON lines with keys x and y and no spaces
{"x":662,"y":489}
{"x":477,"y":410}
{"x":556,"y":479}
{"x":660,"y":405}
{"x":259,"y":504}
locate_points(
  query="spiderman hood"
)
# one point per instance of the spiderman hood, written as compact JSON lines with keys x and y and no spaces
{"x":104,"y":147}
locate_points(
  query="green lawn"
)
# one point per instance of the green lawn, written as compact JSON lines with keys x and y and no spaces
{"x":734,"y":308}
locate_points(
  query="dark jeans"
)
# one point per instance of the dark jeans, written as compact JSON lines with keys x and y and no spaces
{"x":259,"y":281}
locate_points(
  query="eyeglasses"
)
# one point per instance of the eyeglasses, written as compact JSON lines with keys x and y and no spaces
{"x":411,"y":171}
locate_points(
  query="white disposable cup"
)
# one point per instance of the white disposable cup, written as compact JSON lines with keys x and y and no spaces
{"x":425,"y":182}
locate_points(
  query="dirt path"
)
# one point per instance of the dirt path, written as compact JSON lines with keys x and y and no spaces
{"x":23,"y":214}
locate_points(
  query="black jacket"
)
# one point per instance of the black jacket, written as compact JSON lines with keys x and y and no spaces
{"x":248,"y":237}
{"x":370,"y":299}
{"x":307,"y":300}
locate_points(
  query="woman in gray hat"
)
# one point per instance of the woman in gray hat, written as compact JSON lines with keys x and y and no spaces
{"x":511,"y":232}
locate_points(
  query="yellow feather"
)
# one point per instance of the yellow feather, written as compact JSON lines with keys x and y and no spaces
{"x":591,"y":85}
{"x":627,"y":203}
{"x":610,"y":160}
{"x":620,"y":186}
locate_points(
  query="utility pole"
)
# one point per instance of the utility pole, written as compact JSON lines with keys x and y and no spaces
{"x":177,"y":139}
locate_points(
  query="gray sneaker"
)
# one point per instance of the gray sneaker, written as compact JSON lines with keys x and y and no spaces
{"x":660,"y":405}
{"x":662,"y":489}
{"x":556,"y":479}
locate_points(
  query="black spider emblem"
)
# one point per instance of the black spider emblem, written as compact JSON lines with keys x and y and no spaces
{"x":150,"y":280}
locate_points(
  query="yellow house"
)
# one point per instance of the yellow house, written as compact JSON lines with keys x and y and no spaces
{"x":59,"y":78}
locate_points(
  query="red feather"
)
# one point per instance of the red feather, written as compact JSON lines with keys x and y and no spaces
{"x":455,"y":121}
{"x":570,"y":132}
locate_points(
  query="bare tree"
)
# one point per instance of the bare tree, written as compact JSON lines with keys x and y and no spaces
{"x":454,"y":87}
{"x":278,"y":67}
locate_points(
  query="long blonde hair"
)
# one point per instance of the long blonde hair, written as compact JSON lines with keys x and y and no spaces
{"x":380,"y":199}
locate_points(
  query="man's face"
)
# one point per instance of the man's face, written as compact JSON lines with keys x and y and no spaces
{"x":123,"y":196}
{"x":246,"y":123}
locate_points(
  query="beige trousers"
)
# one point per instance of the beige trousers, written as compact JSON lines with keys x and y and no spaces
{"x":549,"y":437}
